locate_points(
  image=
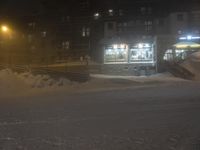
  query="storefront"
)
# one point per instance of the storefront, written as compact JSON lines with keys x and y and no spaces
{"x":181,"y":51}
{"x":142,"y":53}
{"x":130,"y":58}
{"x":116,"y":54}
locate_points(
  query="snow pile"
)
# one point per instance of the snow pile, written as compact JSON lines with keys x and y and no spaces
{"x":161,"y":77}
{"x":13,"y":84}
{"x":9,"y":78}
{"x":41,"y":81}
{"x":193,"y":64}
{"x":26,"y":84}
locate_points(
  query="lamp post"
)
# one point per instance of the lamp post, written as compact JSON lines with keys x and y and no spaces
{"x":6,"y":36}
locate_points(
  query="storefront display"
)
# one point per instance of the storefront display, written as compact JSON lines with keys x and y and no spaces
{"x":116,"y":54}
{"x":142,"y":52}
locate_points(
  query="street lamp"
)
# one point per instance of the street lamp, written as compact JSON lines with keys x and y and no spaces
{"x":6,"y":37}
{"x":4,"y":28}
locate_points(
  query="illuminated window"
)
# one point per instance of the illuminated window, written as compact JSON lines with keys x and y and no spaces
{"x":96,"y":16}
{"x":116,"y":54}
{"x":110,"y":12}
{"x":65,"y":44}
{"x":85,"y":32}
{"x":141,"y":52}
{"x":168,"y":55}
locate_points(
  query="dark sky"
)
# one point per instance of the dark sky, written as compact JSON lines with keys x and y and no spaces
{"x":21,"y":7}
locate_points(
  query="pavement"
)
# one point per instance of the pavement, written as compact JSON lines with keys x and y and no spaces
{"x":145,"y":118}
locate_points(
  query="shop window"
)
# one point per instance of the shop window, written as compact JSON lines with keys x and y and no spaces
{"x":168,"y":55}
{"x":116,"y":54}
{"x":141,"y":53}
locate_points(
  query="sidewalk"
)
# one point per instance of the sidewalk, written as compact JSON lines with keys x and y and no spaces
{"x":161,"y":77}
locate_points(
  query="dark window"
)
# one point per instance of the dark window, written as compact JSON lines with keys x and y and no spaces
{"x":161,"y":22}
{"x":180,"y":17}
{"x":110,"y":26}
{"x":121,"y":13}
{"x":149,"y":10}
{"x":143,"y":10}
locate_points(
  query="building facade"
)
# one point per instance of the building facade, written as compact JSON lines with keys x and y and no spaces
{"x":118,"y":34}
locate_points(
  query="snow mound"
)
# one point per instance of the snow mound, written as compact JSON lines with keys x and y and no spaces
{"x":8,"y":78}
{"x":192,"y":64}
{"x":160,"y":77}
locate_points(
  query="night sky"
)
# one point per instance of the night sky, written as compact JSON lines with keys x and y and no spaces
{"x":22,"y":7}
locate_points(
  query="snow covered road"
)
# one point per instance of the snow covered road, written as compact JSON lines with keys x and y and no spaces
{"x":158,"y":117}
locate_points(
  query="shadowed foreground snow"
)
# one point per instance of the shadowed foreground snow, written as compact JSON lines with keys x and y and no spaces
{"x":163,"y":117}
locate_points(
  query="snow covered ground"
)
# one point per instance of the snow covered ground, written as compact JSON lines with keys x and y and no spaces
{"x":160,"y":117}
{"x":17,"y":84}
{"x":193,"y":65}
{"x":160,"y":77}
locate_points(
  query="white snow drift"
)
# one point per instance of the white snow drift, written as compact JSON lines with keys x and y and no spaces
{"x":192,"y":64}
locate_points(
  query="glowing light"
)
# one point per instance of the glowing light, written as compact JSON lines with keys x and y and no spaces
{"x":122,"y":46}
{"x":187,"y":45}
{"x":147,"y":45}
{"x":110,"y":11}
{"x":189,"y":37}
{"x":115,"y":46}
{"x":182,"y":38}
{"x":140,"y":45}
{"x":96,"y":15}
{"x":4,"y":28}
{"x":195,"y":38}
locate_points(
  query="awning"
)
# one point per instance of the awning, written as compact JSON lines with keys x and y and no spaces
{"x":187,"y":45}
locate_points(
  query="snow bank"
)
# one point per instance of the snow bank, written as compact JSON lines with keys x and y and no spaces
{"x":12,"y":83}
{"x":27,"y":79}
{"x":161,"y":77}
{"x":25,"y":84}
{"x":193,"y":64}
